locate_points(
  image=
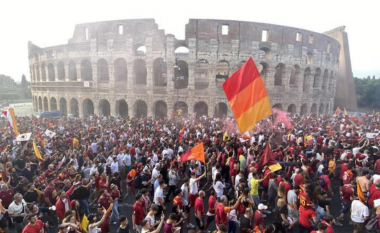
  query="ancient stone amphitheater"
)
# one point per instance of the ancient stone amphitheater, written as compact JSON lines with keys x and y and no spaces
{"x":132,"y":68}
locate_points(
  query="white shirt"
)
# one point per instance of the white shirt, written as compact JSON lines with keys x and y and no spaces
{"x":358,"y":211}
{"x":114,"y":167}
{"x":155,"y":174}
{"x":151,"y":219}
{"x":185,"y":197}
{"x":127,"y":160}
{"x":159,"y":193}
{"x":237,"y":179}
{"x":219,"y":188}
{"x":16,"y":209}
{"x":120,"y":158}
{"x":193,"y":186}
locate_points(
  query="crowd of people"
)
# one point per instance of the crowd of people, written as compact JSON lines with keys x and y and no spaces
{"x":91,"y":168}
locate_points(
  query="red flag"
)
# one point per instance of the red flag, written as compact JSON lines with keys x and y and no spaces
{"x":268,"y":160}
{"x":196,"y":153}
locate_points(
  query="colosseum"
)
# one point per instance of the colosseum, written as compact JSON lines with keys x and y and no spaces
{"x":132,"y":68}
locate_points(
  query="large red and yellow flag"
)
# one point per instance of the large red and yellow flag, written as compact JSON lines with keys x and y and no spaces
{"x":196,"y":153}
{"x":37,"y":151}
{"x":247,"y":96}
{"x":10,"y":115}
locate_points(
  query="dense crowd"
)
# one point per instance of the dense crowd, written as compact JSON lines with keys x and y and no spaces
{"x":91,"y":166}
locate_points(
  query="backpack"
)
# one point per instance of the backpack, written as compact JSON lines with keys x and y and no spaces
{"x":137,"y":181}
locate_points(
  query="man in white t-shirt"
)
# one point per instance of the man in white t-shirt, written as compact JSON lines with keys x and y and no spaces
{"x":359,"y":214}
{"x":193,"y":190}
{"x":159,"y":198}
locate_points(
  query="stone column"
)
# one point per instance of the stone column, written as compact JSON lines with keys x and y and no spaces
{"x":79,"y":73}
{"x":113,"y":107}
{"x":191,"y":69}
{"x":170,"y":62}
{"x":149,"y":76}
{"x":269,"y":81}
{"x":150,"y":108}
{"x":80,"y":107}
{"x":130,"y":75}
{"x":67,"y":73}
{"x":111,"y":83}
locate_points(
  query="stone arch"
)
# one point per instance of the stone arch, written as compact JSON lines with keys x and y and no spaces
{"x":240,"y":64}
{"x":120,"y":70}
{"x":201,"y":74}
{"x":73,"y":71}
{"x":263,"y":68}
{"x":325,"y":80}
{"x":104,"y":107}
{"x":292,"y":109}
{"x":264,"y":52}
{"x":317,"y":82}
{"x":103,"y":71}
{"x":140,"y":50}
{"x":181,"y":105}
{"x":122,"y":108}
{"x":86,"y":70}
{"x":159,"y":72}
{"x":201,"y":109}
{"x":88,"y":107}
{"x":74,"y":107}
{"x":141,"y":108}
{"x":40,"y":104}
{"x":61,"y":71}
{"x":38,"y":73}
{"x":181,"y":74}
{"x":46,"y":104}
{"x":139,"y":72}
{"x":314,"y":109}
{"x":309,"y":58}
{"x":221,"y":110}
{"x":321,"y":109}
{"x":160,"y":109}
{"x":63,"y":106}
{"x":303,"y":111}
{"x":278,"y":106}
{"x":181,"y":50}
{"x":294,"y":76}
{"x":222,"y":72}
{"x":53,"y":104}
{"x":51,"y":72}
{"x":43,"y":72}
{"x":306,"y":79}
{"x":279,"y":74}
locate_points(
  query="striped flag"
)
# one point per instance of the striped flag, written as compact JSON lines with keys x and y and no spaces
{"x":247,"y":96}
{"x":37,"y":151}
{"x":10,"y":115}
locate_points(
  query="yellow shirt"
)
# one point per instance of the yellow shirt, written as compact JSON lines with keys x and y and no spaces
{"x":254,"y":186}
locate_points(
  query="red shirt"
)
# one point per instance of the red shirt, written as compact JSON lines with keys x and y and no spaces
{"x":103,"y":202}
{"x":304,"y":198}
{"x":373,"y":196}
{"x":199,"y":207}
{"x":305,"y":215}
{"x":327,"y":183}
{"x":347,"y":177}
{"x":51,"y":193}
{"x":34,"y":229}
{"x":7,"y":197}
{"x":298,"y":179}
{"x":177,"y":200}
{"x":138,"y":212}
{"x":211,"y":204}
{"x":347,"y":193}
{"x":343,"y":168}
{"x":266,"y":181}
{"x":103,"y":184}
{"x":258,"y":219}
{"x":220,"y":215}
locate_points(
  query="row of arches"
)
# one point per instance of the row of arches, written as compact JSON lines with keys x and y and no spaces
{"x":140,"y":107}
{"x":202,"y":72}
{"x":304,"y":110}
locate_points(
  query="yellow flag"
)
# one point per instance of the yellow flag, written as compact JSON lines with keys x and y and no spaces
{"x":360,"y":192}
{"x":225,"y":136}
{"x":76,"y":143}
{"x":345,"y":112}
{"x":84,"y":224}
{"x":37,"y":151}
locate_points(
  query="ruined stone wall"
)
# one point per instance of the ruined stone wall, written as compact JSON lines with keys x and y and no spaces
{"x":132,"y":68}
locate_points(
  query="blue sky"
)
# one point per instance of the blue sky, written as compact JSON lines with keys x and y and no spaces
{"x":48,"y":23}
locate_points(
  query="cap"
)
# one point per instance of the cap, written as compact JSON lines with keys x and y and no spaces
{"x":262,"y":207}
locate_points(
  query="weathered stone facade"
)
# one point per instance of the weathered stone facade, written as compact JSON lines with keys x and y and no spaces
{"x":127,"y":68}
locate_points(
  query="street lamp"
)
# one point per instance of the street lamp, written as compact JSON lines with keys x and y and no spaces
{"x":175,"y":79}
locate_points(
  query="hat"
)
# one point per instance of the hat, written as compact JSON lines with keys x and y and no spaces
{"x":262,"y":207}
{"x":139,"y":165}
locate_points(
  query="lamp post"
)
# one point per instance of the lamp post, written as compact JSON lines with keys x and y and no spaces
{"x":175,"y":79}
